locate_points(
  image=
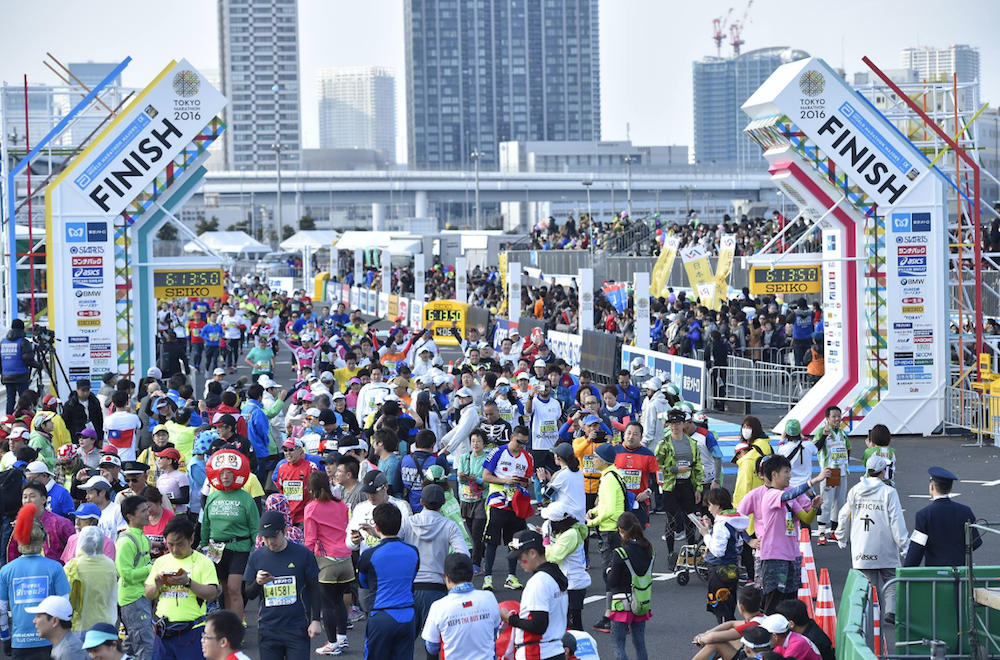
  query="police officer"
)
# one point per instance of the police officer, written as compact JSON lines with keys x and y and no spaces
{"x":17,"y":359}
{"x":938,"y":537}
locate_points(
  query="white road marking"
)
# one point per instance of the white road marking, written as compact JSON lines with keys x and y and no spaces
{"x":927,"y":497}
{"x":976,"y":481}
{"x":657,"y":577}
{"x":992,"y":483}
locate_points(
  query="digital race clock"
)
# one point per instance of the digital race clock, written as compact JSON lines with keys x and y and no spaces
{"x":785,"y":280}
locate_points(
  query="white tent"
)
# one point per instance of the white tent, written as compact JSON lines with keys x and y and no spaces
{"x":398,"y":243}
{"x":315,"y":239}
{"x":233,"y":243}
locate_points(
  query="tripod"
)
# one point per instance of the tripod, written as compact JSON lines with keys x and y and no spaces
{"x":45,"y":355}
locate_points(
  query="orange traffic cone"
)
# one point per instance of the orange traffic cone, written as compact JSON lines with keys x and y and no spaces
{"x":826,"y":612}
{"x":451,"y":366}
{"x":808,"y":562}
{"x":876,"y":623}
{"x":804,"y":595}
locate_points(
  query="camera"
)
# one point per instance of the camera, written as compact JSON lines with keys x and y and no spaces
{"x":42,"y":335}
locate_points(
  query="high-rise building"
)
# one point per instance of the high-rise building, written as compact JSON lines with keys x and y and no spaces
{"x":721,"y":87}
{"x":357,"y":109}
{"x":92,"y":73}
{"x":938,"y":65}
{"x":259,"y":72}
{"x":482,"y":72}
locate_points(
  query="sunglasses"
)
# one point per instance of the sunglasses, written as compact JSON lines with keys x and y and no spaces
{"x":520,"y":441}
{"x":133,"y":480}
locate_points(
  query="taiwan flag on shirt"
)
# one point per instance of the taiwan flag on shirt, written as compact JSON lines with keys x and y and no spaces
{"x":121,"y":439}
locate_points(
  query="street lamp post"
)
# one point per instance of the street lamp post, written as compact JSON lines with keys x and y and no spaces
{"x":587,"y":185}
{"x":476,"y":155}
{"x":277,"y":150}
{"x":628,"y":179}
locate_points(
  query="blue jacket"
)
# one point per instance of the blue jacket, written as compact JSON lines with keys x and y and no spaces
{"x":412,"y":469}
{"x":211,"y":329}
{"x":802,"y":326}
{"x":938,"y":537}
{"x":631,"y":397}
{"x":61,"y":502}
{"x":566,"y":436}
{"x":389,"y":569}
{"x":257,"y":427}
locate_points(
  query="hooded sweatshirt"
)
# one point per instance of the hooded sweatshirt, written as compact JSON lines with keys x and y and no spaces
{"x":566,"y":550}
{"x":433,"y":536}
{"x":726,"y":541}
{"x":652,"y":422}
{"x":873,"y":518}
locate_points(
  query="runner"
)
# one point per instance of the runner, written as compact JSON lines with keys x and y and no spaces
{"x":508,"y":471}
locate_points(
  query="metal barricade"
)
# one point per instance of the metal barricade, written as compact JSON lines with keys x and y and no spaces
{"x":990,"y":408}
{"x":750,"y":385}
{"x":964,"y":409}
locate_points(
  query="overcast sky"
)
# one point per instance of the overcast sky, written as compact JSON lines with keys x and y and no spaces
{"x":647,"y":46}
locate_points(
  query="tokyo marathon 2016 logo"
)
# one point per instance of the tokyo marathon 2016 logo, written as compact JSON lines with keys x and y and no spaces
{"x":186,"y":83}
{"x":811,"y":83}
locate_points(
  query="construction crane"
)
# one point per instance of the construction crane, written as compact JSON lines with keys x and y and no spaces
{"x":718,"y":31}
{"x":736,"y":29}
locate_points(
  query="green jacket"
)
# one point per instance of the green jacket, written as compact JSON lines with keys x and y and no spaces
{"x":565,"y":544}
{"x":133,"y":562}
{"x":231,"y":516}
{"x":610,"y":501}
{"x":668,"y":463}
{"x":271,"y":412}
{"x":824,"y":454}
{"x":43,"y":445}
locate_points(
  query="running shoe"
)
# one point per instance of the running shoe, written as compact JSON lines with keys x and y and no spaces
{"x":477,"y":571}
{"x":355,"y":615}
{"x":603,"y":626}
{"x":822,"y":539}
{"x":512,"y":583}
{"x":330,"y":648}
{"x":488,"y":583}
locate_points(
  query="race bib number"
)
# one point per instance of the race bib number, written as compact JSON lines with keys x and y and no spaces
{"x":547,"y":427}
{"x":214,"y":551}
{"x":789,"y":523}
{"x":684,"y":475}
{"x":175,"y":591}
{"x":616,"y":439}
{"x":262,"y":366}
{"x":292,"y":490}
{"x":469,"y":491}
{"x":839,"y":455}
{"x":588,"y":463}
{"x":213,"y":336}
{"x":280,"y":591}
{"x":507,"y":416}
{"x":196,"y":332}
{"x":632,"y":479}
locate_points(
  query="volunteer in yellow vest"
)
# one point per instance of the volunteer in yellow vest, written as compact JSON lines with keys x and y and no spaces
{"x":753,"y":446}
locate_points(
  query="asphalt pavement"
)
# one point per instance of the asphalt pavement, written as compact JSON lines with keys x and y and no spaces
{"x":679,"y":611}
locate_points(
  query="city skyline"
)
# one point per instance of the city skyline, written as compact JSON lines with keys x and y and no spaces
{"x":647,"y":48}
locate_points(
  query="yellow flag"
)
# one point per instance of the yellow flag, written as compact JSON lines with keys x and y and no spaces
{"x":727,"y":250}
{"x":663,"y":267}
{"x":699,"y":272}
{"x":502,"y":267}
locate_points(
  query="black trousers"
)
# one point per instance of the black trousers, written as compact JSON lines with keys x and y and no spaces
{"x":283,"y":644}
{"x":678,"y":503}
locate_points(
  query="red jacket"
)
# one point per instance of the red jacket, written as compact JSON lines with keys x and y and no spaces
{"x":293,"y":480}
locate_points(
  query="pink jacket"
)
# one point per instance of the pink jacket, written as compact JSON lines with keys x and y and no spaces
{"x":326,"y":528}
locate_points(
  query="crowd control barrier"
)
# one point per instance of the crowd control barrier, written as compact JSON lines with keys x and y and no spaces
{"x":853,"y":637}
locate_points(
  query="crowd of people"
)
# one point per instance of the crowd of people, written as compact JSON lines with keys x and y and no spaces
{"x":378,"y":485}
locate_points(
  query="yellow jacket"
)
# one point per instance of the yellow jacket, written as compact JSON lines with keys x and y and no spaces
{"x":746,"y":476}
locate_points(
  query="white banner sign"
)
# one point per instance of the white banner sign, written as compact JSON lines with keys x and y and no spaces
{"x":416,"y":314}
{"x":640,"y":297}
{"x":514,"y":291}
{"x":461,"y":280}
{"x":404,"y":310}
{"x":566,"y":346}
{"x":359,"y":267}
{"x":386,"y":275}
{"x":419,"y":277}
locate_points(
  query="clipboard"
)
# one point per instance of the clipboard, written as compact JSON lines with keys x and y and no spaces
{"x":834,"y":479}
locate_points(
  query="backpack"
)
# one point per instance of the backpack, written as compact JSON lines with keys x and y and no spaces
{"x":629,"y":495}
{"x":11,"y":482}
{"x":640,"y":596}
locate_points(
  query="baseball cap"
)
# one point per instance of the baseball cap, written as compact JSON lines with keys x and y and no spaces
{"x":432,"y":495}
{"x":327,"y":416}
{"x":312,"y":412}
{"x":169,"y":452}
{"x":97,"y":483}
{"x":49,"y":401}
{"x":793,"y":428}
{"x":88,"y":510}
{"x":563,"y":450}
{"x":37,"y":467}
{"x":523,"y":541}
{"x":373,"y":481}
{"x":522,"y":375}
{"x":503,"y":381}
{"x":591,"y":419}
{"x":464,"y":392}
{"x":271,"y":523}
{"x":266,"y":382}
{"x":160,"y":427}
{"x":293,"y":443}
{"x":221,"y":419}
{"x":539,"y":363}
{"x":399,"y":381}
{"x":875,"y":463}
{"x":740,"y":446}
{"x":435,"y":473}
{"x":89,"y":433}
{"x":57,"y":606}
{"x":606,"y":452}
{"x":154,"y":372}
{"x":110,"y":450}
{"x":110,"y":459}
{"x":219,"y":371}
{"x":337,"y":396}
{"x":676,"y":415}
{"x":654,"y":383}
{"x":556,"y":511}
{"x":311,"y":378}
{"x":326,"y":377}
{"x":775,"y":624}
{"x":99,"y":634}
{"x":19,"y":433}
